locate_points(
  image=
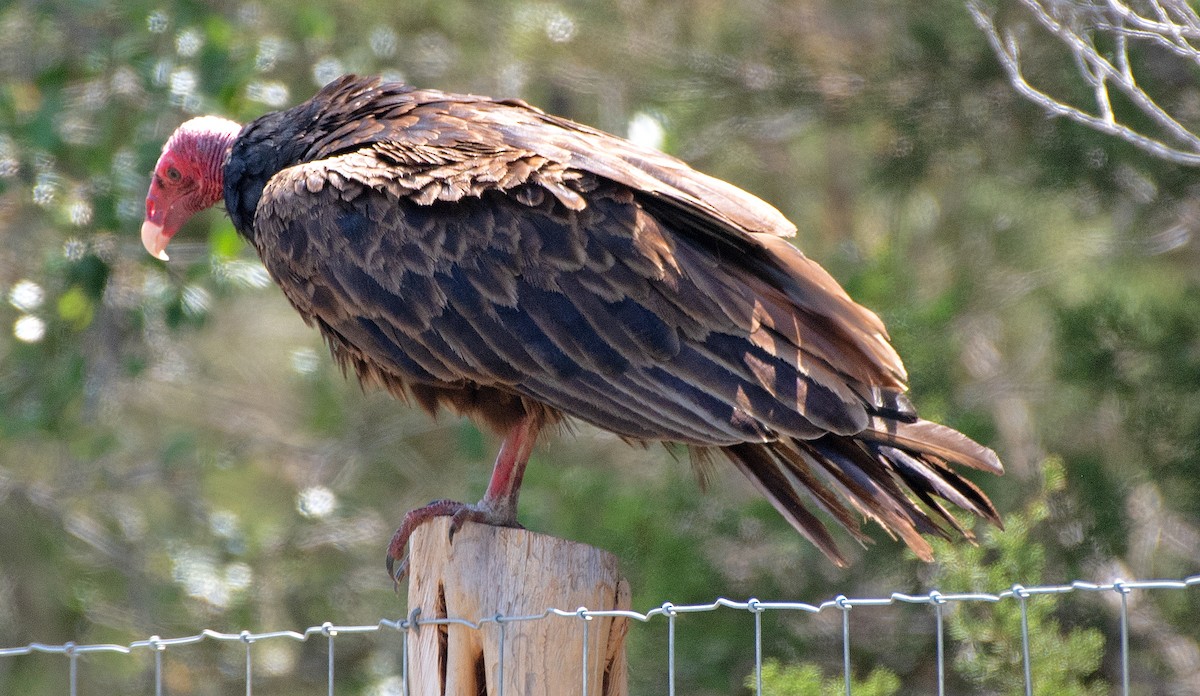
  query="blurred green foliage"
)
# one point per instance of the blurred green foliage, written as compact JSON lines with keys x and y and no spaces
{"x":990,"y":653}
{"x":178,"y":452}
{"x":986,"y":638}
{"x":807,"y":680}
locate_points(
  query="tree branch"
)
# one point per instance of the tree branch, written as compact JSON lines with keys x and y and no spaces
{"x":1075,"y":24}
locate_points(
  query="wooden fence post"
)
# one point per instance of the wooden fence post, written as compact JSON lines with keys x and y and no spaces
{"x":489,"y":571}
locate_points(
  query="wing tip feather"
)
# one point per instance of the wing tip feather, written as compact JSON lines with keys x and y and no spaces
{"x":893,"y":476}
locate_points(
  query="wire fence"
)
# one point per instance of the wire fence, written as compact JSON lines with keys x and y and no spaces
{"x":935,"y":599}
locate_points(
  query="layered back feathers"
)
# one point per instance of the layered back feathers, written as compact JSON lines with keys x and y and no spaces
{"x":485,"y":256}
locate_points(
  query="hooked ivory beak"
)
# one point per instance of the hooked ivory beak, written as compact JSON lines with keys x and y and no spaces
{"x":154,"y":240}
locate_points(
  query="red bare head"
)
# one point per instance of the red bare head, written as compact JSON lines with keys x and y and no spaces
{"x":187,"y":179}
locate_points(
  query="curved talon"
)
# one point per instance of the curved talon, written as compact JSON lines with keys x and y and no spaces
{"x":459,"y":518}
{"x":399,"y":573}
{"x":412,"y":520}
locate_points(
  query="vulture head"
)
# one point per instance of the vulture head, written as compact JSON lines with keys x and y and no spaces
{"x":187,"y":178}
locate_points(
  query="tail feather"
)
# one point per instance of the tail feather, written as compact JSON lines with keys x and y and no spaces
{"x":874,"y":491}
{"x":894,"y":473}
{"x":930,"y":477}
{"x":762,"y":467}
{"x":924,"y":437}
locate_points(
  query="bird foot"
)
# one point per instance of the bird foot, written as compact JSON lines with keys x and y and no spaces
{"x":459,"y":513}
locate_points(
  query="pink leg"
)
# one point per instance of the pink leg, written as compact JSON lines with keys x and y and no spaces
{"x":498,"y":506}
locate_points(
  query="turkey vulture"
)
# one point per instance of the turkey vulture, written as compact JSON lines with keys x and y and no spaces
{"x":523,"y":269}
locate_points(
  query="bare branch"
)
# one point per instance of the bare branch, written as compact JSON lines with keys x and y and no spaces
{"x":1179,"y":47}
{"x":1166,"y":24}
{"x":1085,"y":49}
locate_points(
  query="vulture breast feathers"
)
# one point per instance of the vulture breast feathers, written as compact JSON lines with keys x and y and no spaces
{"x":488,"y":257}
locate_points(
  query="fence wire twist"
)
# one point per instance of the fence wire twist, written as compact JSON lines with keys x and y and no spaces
{"x":935,"y":598}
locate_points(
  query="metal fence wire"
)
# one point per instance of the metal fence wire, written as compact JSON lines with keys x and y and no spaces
{"x":672,"y":613}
